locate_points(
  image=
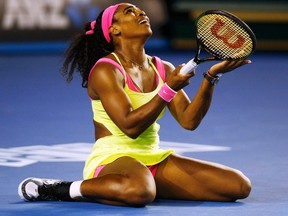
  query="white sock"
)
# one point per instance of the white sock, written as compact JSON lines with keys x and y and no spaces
{"x":74,"y":190}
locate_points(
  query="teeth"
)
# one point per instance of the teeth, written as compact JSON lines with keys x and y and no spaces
{"x":142,"y":21}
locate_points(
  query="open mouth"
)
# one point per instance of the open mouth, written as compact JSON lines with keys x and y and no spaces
{"x":143,"y":21}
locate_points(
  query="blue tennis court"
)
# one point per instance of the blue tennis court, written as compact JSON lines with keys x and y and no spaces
{"x":46,"y":131}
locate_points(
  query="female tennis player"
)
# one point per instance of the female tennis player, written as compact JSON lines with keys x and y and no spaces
{"x":129,"y":91}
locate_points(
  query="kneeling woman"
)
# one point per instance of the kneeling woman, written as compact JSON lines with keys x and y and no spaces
{"x":129,"y":91}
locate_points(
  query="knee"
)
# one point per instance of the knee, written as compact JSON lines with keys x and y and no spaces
{"x":139,"y":189}
{"x":139,"y":192}
{"x":141,"y":196}
{"x":243,"y":187}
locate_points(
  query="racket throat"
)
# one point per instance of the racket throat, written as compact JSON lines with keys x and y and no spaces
{"x":193,"y":63}
{"x":210,"y":58}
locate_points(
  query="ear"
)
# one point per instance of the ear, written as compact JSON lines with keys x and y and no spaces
{"x":115,"y":30}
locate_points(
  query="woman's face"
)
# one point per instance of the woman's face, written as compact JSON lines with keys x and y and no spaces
{"x":131,"y":21}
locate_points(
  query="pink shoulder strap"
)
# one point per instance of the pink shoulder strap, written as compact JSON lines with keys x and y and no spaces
{"x":158,"y":63}
{"x":160,"y":67}
{"x":119,"y":67}
{"x":110,"y":61}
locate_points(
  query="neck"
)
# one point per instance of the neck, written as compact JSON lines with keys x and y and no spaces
{"x":132,"y":49}
{"x":132,"y":55}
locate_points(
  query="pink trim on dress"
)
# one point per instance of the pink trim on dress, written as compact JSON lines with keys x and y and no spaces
{"x":152,"y":168}
{"x":159,"y":66}
{"x":98,"y":170}
{"x":106,"y":60}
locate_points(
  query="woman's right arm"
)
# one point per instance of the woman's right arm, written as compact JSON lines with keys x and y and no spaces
{"x":106,"y":84}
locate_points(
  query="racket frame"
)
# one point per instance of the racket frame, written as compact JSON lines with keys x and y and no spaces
{"x":193,"y":63}
{"x":236,"y":20}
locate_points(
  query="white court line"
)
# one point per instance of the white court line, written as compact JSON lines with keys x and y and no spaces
{"x":76,"y":152}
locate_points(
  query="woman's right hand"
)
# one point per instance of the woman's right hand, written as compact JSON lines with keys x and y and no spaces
{"x":177,"y":81}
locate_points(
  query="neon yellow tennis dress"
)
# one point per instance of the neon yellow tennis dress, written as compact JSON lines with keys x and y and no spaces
{"x":145,"y":147}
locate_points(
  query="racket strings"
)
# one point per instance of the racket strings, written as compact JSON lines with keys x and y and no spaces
{"x":224,"y":37}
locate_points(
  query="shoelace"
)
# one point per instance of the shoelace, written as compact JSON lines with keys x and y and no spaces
{"x":49,"y":192}
{"x":58,"y":191}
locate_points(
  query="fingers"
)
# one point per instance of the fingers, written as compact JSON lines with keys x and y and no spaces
{"x":188,"y":75}
{"x":227,"y":66}
{"x":193,"y":73}
{"x":176,"y":80}
{"x":236,"y":64}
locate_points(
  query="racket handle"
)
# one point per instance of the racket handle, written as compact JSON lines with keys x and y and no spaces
{"x":189,"y":67}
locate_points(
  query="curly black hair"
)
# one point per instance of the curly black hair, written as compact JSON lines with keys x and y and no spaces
{"x":84,"y":51}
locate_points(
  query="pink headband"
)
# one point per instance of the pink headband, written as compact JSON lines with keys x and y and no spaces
{"x":107,"y":18}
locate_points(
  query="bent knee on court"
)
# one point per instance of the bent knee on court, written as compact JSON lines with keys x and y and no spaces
{"x":242,"y":186}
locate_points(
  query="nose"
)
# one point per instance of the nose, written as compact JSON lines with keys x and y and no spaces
{"x":141,"y":13}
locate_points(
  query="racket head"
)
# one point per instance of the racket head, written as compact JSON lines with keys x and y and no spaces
{"x":224,"y":35}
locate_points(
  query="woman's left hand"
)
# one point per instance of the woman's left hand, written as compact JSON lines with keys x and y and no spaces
{"x":227,"y":66}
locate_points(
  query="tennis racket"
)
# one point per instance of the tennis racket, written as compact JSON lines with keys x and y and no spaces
{"x":222,"y":35}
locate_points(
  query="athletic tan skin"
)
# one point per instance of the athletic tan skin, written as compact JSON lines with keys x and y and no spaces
{"x":126,"y":181}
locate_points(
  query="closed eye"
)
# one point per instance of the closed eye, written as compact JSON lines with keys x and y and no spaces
{"x":128,"y":10}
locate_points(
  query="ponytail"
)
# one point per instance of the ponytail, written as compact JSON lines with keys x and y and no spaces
{"x":85,"y":50}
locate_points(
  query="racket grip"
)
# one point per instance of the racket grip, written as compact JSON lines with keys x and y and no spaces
{"x":189,"y":67}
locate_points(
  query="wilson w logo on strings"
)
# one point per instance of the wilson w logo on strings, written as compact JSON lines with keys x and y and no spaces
{"x":226,"y":35}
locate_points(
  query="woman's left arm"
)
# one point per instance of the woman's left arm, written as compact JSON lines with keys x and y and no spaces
{"x":188,"y":113}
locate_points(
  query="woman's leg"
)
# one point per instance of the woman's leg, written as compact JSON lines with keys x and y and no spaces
{"x":125,"y":182}
{"x":190,"y":179}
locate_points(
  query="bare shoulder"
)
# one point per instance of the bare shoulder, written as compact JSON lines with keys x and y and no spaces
{"x":104,"y":67}
{"x":103,"y":76}
{"x":103,"y":73}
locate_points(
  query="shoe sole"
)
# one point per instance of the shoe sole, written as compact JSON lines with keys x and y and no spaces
{"x":21,"y":189}
{"x":38,"y":181}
